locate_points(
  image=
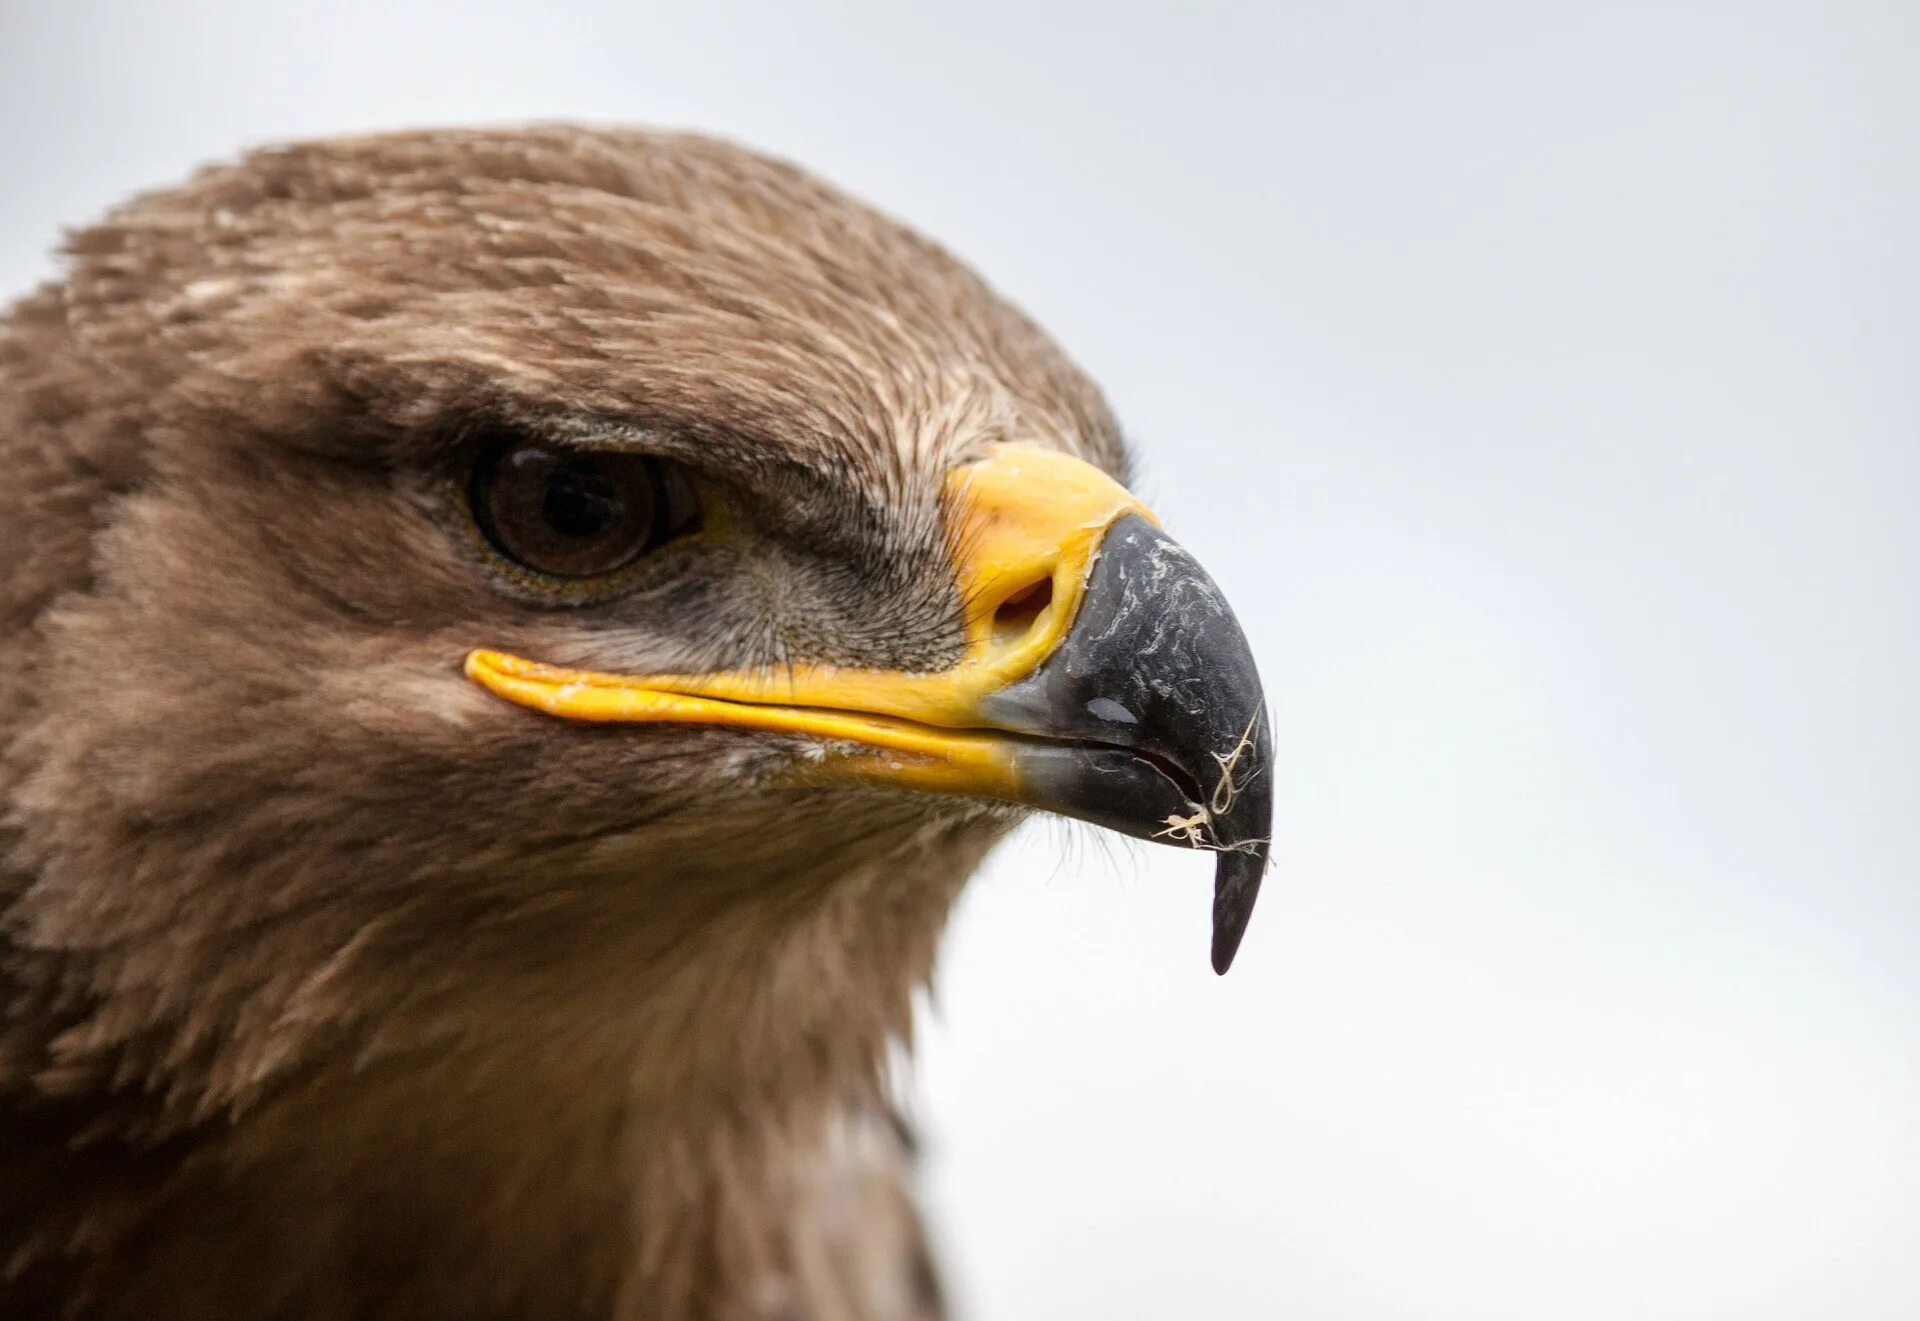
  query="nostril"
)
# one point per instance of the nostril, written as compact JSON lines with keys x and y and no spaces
{"x":1018,"y":612}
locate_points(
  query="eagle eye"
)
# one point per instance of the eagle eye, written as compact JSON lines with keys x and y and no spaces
{"x":571,"y":513}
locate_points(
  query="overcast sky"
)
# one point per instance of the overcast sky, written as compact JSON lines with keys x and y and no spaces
{"x":1540,"y":381}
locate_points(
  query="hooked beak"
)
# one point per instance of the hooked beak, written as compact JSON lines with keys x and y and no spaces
{"x":1104,"y":678}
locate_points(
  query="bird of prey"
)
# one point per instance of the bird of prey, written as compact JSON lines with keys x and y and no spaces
{"x":510,"y":644}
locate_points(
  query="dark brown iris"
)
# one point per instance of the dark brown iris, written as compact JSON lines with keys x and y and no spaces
{"x":570,"y":513}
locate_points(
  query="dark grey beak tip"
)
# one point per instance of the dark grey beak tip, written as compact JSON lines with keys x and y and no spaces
{"x":1236,"y":885}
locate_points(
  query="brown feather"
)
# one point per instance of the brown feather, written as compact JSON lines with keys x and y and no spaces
{"x":335,"y":987}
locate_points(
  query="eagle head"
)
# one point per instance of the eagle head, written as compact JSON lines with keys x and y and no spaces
{"x":512,"y":633}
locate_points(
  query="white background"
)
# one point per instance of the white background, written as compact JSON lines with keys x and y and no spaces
{"x":1543,"y":383}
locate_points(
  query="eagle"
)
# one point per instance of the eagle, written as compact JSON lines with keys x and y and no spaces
{"x":511,"y":642}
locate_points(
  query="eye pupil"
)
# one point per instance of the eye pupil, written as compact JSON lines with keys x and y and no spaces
{"x":580,"y":504}
{"x":577,"y":514}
